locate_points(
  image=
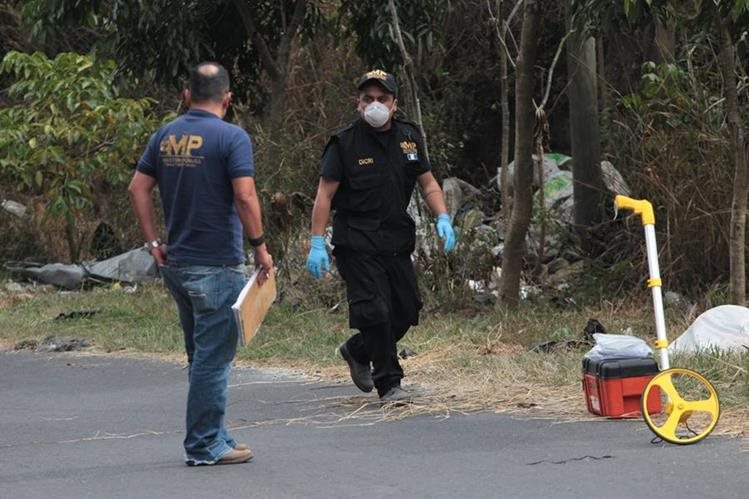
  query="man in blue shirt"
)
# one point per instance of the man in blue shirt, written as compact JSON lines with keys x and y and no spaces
{"x":204,"y":170}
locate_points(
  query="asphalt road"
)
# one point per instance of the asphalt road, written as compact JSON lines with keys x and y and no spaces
{"x":75,"y":426}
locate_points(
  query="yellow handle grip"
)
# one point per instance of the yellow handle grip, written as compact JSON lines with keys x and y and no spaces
{"x":638,"y":206}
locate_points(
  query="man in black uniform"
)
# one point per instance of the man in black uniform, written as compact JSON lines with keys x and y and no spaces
{"x":369,"y":170}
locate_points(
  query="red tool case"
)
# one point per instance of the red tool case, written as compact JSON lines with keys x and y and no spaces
{"x":614,"y":387}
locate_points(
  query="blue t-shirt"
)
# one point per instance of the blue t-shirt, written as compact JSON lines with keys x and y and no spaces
{"x":194,"y":159}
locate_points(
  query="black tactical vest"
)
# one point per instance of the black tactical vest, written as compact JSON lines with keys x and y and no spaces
{"x":379,"y":175}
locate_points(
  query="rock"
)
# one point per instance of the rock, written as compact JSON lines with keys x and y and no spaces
{"x":484,"y":298}
{"x":613,"y":180}
{"x":472,"y":219}
{"x":55,"y":344}
{"x":14,"y":287}
{"x":552,"y":244}
{"x":14,"y":208}
{"x":550,"y":168}
{"x":567,"y":272}
{"x":529,"y":292}
{"x":484,"y":230}
{"x":557,"y":265}
{"x":495,"y":277}
{"x":457,"y":192}
{"x":453,"y":196}
{"x":26,"y":345}
{"x":673,"y":298}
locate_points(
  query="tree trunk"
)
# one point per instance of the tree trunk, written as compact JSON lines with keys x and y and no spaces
{"x":71,"y":237}
{"x":588,"y":186}
{"x":276,"y":106}
{"x":504,"y":153}
{"x":664,"y":41}
{"x":276,"y":65}
{"x":512,"y":260}
{"x":604,"y":94}
{"x":737,"y":253}
{"x":409,"y":72}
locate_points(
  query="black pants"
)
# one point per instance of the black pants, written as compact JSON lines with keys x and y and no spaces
{"x":384,"y":302}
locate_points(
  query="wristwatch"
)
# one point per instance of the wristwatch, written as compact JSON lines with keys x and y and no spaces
{"x":153,"y":244}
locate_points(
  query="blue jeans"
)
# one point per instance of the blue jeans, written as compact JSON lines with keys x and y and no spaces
{"x":204,"y":295}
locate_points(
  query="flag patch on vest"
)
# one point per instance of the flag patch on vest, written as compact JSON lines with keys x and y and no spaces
{"x":410,"y":151}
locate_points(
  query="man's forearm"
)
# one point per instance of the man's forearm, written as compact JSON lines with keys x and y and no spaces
{"x":142,"y":204}
{"x":434,"y":197}
{"x":320,"y":215}
{"x":248,"y":209}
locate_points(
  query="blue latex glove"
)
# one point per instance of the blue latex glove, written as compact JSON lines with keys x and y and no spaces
{"x":318,"y":260}
{"x":445,"y":231}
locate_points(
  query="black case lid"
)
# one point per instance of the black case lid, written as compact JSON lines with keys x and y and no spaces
{"x":621,"y":368}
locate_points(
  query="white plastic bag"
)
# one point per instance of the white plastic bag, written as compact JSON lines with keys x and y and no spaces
{"x":618,"y":346}
{"x":723,"y":328}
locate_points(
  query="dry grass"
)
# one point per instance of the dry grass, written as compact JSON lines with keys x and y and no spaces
{"x":466,"y":361}
{"x":508,"y":380}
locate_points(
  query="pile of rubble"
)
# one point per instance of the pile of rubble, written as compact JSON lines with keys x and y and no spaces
{"x":483,"y":233}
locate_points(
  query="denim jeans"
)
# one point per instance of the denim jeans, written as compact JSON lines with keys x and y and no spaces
{"x":204,"y":295}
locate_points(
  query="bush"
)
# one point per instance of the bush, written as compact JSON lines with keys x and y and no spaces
{"x":69,"y":140}
{"x":674,"y":148}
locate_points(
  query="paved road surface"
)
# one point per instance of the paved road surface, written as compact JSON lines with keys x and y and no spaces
{"x":76,"y":426}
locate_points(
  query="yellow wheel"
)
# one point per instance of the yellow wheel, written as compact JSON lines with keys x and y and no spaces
{"x":680,"y":406}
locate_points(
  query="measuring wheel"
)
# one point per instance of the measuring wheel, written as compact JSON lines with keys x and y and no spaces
{"x":680,"y":406}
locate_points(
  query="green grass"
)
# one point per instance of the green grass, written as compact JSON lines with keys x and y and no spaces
{"x":290,"y":334}
{"x":471,"y":349}
{"x":143,"y":321}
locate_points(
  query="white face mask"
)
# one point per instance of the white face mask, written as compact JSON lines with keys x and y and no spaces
{"x":376,"y":114}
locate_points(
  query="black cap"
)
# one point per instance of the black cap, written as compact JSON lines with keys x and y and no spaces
{"x":385,"y":80}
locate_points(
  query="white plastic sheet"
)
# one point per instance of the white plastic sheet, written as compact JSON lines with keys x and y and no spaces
{"x":724,"y":328}
{"x":618,"y":346}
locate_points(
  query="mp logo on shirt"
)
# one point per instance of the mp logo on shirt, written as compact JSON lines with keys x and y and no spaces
{"x":179,"y":152}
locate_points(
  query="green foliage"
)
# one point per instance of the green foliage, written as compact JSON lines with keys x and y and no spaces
{"x":164,"y":38}
{"x":697,"y":12}
{"x":421,"y":26}
{"x":673,"y":97}
{"x":68,"y":130}
{"x":671,"y":136}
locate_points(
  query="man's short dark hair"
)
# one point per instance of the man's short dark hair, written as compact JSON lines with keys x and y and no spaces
{"x":209,"y":81}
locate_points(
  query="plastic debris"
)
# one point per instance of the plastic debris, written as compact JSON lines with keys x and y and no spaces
{"x":67,"y":276}
{"x":14,"y":208}
{"x":76,"y":314}
{"x":406,"y":353}
{"x":723,"y":328}
{"x":618,"y":346}
{"x":132,"y":267}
